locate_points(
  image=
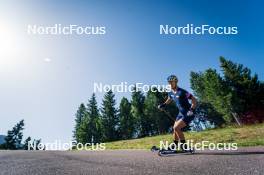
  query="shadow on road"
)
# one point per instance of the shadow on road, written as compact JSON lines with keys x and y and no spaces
{"x":217,"y":153}
{"x":230,"y":153}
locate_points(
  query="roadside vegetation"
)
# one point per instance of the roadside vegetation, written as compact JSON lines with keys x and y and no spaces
{"x":248,"y":135}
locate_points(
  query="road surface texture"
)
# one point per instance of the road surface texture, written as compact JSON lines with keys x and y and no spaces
{"x":243,"y":161}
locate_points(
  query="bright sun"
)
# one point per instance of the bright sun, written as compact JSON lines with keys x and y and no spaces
{"x":9,"y":45}
{"x":6,"y":40}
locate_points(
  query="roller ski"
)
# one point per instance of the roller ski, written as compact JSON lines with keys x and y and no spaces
{"x":164,"y":152}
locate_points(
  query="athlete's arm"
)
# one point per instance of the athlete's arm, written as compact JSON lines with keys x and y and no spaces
{"x":168,"y":101}
{"x":194,"y":102}
{"x":193,"y":106}
{"x":162,"y":106}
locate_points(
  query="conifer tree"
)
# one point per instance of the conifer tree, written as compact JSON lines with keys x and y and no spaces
{"x":127,"y":121}
{"x":14,"y":136}
{"x":137,"y":110}
{"x":94,"y":124}
{"x":110,"y":120}
{"x":79,"y":118}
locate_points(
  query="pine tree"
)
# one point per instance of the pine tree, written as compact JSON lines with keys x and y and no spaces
{"x":79,"y":117}
{"x":247,"y":90}
{"x":137,"y":110}
{"x":234,"y":95}
{"x":109,"y":117}
{"x":14,"y":136}
{"x":151,"y":114}
{"x":83,"y":134}
{"x":211,"y":88}
{"x":94,"y":124}
{"x":26,"y":143}
{"x":10,"y":142}
{"x":127,"y":121}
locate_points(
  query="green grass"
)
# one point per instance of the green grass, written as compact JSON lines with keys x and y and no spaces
{"x":250,"y":135}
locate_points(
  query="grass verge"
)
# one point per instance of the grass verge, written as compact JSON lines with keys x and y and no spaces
{"x":248,"y":135}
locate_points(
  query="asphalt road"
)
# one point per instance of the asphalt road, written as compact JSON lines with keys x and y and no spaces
{"x":244,"y":161}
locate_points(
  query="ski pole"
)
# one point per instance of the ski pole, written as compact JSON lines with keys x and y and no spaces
{"x":168,"y":114}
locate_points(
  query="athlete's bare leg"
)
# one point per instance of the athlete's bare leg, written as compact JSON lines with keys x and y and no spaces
{"x":178,"y":134}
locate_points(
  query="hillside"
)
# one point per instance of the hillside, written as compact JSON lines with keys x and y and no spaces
{"x":251,"y":135}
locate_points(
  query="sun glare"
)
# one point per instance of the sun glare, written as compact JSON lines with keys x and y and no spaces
{"x":6,"y":40}
{"x":10,"y":46}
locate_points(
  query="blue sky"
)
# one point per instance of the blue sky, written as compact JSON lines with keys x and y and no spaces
{"x":47,"y":93}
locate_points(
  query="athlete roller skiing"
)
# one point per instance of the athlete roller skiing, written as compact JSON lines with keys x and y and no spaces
{"x":186,"y":111}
